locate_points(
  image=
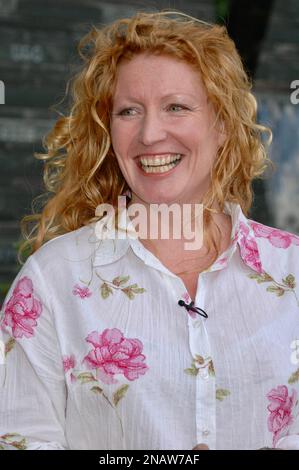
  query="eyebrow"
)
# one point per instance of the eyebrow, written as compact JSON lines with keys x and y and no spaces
{"x":169,"y":95}
{"x":180,"y":94}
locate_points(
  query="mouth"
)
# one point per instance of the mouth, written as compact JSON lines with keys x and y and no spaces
{"x":159,"y":163}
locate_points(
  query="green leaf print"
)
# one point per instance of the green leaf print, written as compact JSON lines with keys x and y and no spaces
{"x":9,"y":345}
{"x":193,"y":370}
{"x":290,"y":281}
{"x":130,"y":291}
{"x":199,"y":359}
{"x":105,"y":290}
{"x":85,"y":377}
{"x":119,"y":394}
{"x":21,"y":445}
{"x":9,"y":436}
{"x":279,"y":291}
{"x":211,"y":369}
{"x":11,"y":440}
{"x":199,"y":363}
{"x":264,"y":277}
{"x":118,"y":284}
{"x":137,"y":290}
{"x":287,"y":284}
{"x":97,"y":390}
{"x":221,"y":393}
{"x":120,"y":280}
{"x":294,"y":377}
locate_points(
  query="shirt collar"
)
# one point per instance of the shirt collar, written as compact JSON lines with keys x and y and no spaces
{"x":243,"y":237}
{"x":109,"y":250}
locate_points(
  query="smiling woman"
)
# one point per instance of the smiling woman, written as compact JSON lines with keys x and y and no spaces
{"x":202,"y":78}
{"x":132,"y":343}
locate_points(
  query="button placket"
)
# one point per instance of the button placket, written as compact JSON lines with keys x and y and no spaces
{"x":199,"y":345}
{"x":205,"y":379}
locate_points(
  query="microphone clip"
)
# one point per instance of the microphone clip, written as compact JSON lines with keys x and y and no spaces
{"x":192,"y":308}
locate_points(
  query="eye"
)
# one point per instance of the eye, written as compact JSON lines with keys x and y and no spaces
{"x":177,"y":107}
{"x":127,"y":112}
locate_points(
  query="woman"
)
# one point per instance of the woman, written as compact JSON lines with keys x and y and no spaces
{"x":137,"y":342}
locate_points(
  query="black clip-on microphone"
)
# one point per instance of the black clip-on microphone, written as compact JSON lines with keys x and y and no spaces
{"x":191,"y":307}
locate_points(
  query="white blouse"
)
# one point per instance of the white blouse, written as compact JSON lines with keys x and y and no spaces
{"x":98,"y":354}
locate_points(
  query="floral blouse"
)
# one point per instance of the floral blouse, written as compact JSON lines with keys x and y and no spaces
{"x":97,"y":353}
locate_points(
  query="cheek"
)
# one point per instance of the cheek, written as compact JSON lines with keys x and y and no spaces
{"x":121,"y":140}
{"x":192,"y":132}
{"x":121,"y":162}
{"x":118,"y":133}
{"x":120,"y":147}
{"x":115,"y":138}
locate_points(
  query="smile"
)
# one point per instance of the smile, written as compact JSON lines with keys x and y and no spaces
{"x":160,"y":164}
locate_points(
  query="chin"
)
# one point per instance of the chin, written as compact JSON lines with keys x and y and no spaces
{"x":160,"y":199}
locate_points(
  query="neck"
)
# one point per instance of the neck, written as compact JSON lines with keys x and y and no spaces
{"x":177,"y":231}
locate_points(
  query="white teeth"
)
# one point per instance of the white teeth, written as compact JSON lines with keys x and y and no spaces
{"x":158,"y":161}
{"x":160,"y":169}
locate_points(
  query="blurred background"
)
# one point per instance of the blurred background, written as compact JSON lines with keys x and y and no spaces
{"x":38,"y":41}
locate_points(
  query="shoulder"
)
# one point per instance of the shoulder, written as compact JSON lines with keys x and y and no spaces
{"x":46,"y":280}
{"x":56,"y":261}
{"x":275,"y":237}
{"x":279,"y":249}
{"x":74,"y":245}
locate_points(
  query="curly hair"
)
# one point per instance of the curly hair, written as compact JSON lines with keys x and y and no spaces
{"x":81,"y":170}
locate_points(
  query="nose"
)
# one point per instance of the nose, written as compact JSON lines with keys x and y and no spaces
{"x":152,"y":129}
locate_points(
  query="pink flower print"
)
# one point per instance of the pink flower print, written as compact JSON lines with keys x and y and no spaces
{"x":249,"y":249}
{"x":82,"y":292}
{"x":277,"y":238}
{"x":115,"y":354}
{"x":280,"y":408}
{"x":22,"y":309}
{"x":69,"y":362}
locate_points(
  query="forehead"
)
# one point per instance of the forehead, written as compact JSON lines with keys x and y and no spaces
{"x":147,"y":74}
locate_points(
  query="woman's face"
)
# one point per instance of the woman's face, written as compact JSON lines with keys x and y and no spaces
{"x":163,"y":130}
